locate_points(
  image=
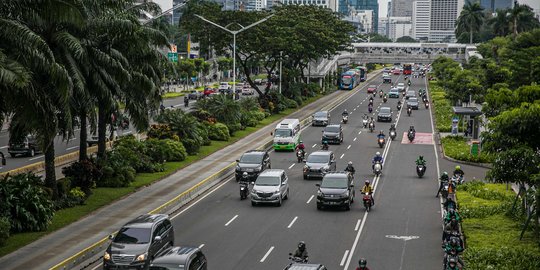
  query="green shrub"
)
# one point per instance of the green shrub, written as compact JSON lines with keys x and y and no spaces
{"x":82,"y":174}
{"x":290,"y":103}
{"x":161,"y":131}
{"x":64,"y":186}
{"x":25,"y":202}
{"x":442,"y":108}
{"x":501,"y":258}
{"x":456,"y":147}
{"x":218,"y":132}
{"x":157,"y":150}
{"x":192,"y":146}
{"x":4,"y":230}
{"x":119,"y":177}
{"x":176,"y":150}
{"x":234,"y":128}
{"x":128,"y":151}
{"x":248,"y":120}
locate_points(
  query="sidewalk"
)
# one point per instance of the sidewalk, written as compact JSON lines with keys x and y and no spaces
{"x":57,"y":246}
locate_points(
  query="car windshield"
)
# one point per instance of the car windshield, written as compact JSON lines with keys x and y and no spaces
{"x":394,"y":90}
{"x":251,"y":158}
{"x":133,"y":236}
{"x":346,"y":80}
{"x":320,"y":114}
{"x":401,"y":84}
{"x":267,"y":180}
{"x":317,"y":159}
{"x":410,"y":93}
{"x":167,"y":266}
{"x":413,"y":99}
{"x":384,"y":110}
{"x":334,"y":182}
{"x":281,"y":132}
{"x":334,"y":129}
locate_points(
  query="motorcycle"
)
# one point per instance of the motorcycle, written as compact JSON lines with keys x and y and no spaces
{"x":365,"y":123}
{"x":409,"y":111}
{"x":426,"y":104}
{"x":411,"y":135}
{"x":377,"y":168}
{"x":367,"y":201}
{"x":420,"y":170}
{"x":392,"y":134}
{"x":186,"y":103}
{"x":385,"y":99}
{"x":444,"y":191}
{"x":371,"y":126}
{"x":370,"y":109}
{"x":324,"y":147}
{"x":244,"y":189}
{"x":458,"y":179}
{"x":345,"y":119}
{"x":399,"y":107}
{"x":381,"y":142}
{"x":381,"y":94}
{"x":300,"y":155}
{"x":297,"y":259}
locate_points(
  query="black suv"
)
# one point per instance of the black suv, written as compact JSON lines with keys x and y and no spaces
{"x":138,"y":242}
{"x":26,"y":145}
{"x":253,"y":162}
{"x":180,"y":258}
{"x":336,"y":189}
{"x":333,"y":134}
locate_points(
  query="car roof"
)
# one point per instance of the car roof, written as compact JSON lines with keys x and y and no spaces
{"x":372,"y":85}
{"x":401,"y":83}
{"x":386,"y":108}
{"x":145,"y":221}
{"x":176,"y":255}
{"x":321,"y":112}
{"x":272,"y":172}
{"x":255,"y":152}
{"x":303,"y":266}
{"x":321,"y":153}
{"x":334,"y":125}
{"x":394,"y":89}
{"x":337,"y":173}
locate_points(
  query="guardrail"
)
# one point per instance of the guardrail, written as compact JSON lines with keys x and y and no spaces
{"x":182,"y":199}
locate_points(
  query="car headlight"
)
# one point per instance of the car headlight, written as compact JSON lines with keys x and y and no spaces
{"x":238,"y":167}
{"x":345,"y":194}
{"x":106,"y":256}
{"x":325,"y":168}
{"x":141,"y":257}
{"x":258,"y":169}
{"x":277,"y":192}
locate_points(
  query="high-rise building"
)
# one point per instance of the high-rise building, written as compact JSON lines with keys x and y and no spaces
{"x":331,"y":4}
{"x":444,"y":14}
{"x":421,"y":19}
{"x":492,"y":5}
{"x":383,"y":26}
{"x":345,"y":6}
{"x":361,"y":20}
{"x":255,"y":5}
{"x":399,"y":27}
{"x":400,"y":8}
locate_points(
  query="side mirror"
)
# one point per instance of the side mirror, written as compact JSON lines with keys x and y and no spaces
{"x":237,"y":160}
{"x":111,"y":236}
{"x":290,"y":254}
{"x":318,"y":185}
{"x":304,"y":160}
{"x":3,"y":161}
{"x":352,"y":186}
{"x":157,"y":238}
{"x":271,"y":133}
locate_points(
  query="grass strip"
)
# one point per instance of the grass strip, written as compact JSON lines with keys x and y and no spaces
{"x":172,"y":95}
{"x":105,"y":196}
{"x":442,"y":107}
{"x":493,"y":239}
{"x":456,"y":147}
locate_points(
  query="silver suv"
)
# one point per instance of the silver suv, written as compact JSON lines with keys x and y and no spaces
{"x":319,"y":163}
{"x":271,"y":186}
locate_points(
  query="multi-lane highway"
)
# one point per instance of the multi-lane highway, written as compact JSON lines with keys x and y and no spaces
{"x":402,"y":231}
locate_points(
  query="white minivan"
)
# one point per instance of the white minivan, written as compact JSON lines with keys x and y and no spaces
{"x":287,"y":134}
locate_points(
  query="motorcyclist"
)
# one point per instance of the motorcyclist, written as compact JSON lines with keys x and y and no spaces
{"x":362,"y":264}
{"x":162,"y":108}
{"x":325,"y":145}
{"x":370,"y":100}
{"x":452,"y":213}
{"x":301,"y":147}
{"x":350,"y":168}
{"x":301,"y":251}
{"x":186,"y":101}
{"x":449,"y":204}
{"x":421,"y":161}
{"x":377,"y":158}
{"x":368,"y":189}
{"x":411,"y":128}
{"x":453,"y":263}
{"x":393,"y":127}
{"x":459,"y":171}
{"x":370,"y":107}
{"x":345,"y":113}
{"x":444,"y":178}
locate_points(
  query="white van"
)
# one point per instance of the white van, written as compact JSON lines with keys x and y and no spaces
{"x":287,"y":134}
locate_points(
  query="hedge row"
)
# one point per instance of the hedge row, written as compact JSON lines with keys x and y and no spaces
{"x":456,"y":147}
{"x":442,"y":107}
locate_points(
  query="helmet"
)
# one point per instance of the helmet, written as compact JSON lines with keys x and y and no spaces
{"x":301,"y":245}
{"x":453,"y":241}
{"x":421,"y":157}
{"x":245,"y":174}
{"x":378,"y":153}
{"x":458,"y":167}
{"x":362,"y":262}
{"x":381,"y":132}
{"x":445,"y":173}
{"x":345,"y":110}
{"x":301,"y":141}
{"x":367,"y":182}
{"x":350,"y":163}
{"x":451,"y":261}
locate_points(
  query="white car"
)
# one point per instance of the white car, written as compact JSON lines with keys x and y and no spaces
{"x":246,"y":90}
{"x":224,"y":87}
{"x":401,"y":86}
{"x":271,"y":186}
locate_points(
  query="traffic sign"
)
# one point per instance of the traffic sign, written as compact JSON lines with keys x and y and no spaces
{"x":173,"y":57}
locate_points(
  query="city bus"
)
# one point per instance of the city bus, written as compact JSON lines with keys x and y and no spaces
{"x":407,"y":69}
{"x":349,"y":80}
{"x":363,"y":73}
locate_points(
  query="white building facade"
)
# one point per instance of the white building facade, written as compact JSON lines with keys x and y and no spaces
{"x":331,"y":4}
{"x":421,"y":20}
{"x":399,"y":27}
{"x":443,"y":16}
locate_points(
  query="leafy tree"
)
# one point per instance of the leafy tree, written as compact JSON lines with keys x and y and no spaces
{"x":464,"y":84}
{"x":494,"y":48}
{"x":406,"y":39}
{"x":375,"y":37}
{"x":191,"y":132}
{"x":522,"y":19}
{"x":470,"y":20}
{"x":500,"y":23}
{"x":523,"y":57}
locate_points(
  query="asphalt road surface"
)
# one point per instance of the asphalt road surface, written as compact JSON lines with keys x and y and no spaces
{"x":403,"y":230}
{"x":63,"y":147}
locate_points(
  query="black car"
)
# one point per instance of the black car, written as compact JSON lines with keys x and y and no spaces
{"x":304,"y":266}
{"x":138,"y":242}
{"x":321,"y":118}
{"x":253,"y":162}
{"x":385,"y":114}
{"x":387,"y":79}
{"x":180,"y":258}
{"x":413,"y":103}
{"x":27,"y":145}
{"x":336,"y":189}
{"x":332,"y":134}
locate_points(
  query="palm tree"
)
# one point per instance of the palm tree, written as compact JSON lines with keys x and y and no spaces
{"x":470,"y":20}
{"x":500,"y":23}
{"x":522,"y":19}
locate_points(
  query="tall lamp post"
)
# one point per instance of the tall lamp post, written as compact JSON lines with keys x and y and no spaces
{"x":234,"y":39}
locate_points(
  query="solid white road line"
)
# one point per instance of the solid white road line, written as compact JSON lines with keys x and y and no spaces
{"x":201,"y":246}
{"x":4,"y":147}
{"x":38,"y":157}
{"x":291,"y":166}
{"x":344,"y":257}
{"x":341,"y":156}
{"x":206,"y":195}
{"x":97,"y":266}
{"x":354,"y":139}
{"x":349,"y":147}
{"x":232,"y":219}
{"x":310,"y":198}
{"x":73,"y":147}
{"x":267,"y":253}
{"x":357,"y":225}
{"x":292,"y":222}
{"x":314,"y":146}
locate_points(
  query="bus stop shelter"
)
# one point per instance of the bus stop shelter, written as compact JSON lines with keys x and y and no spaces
{"x":469,"y":114}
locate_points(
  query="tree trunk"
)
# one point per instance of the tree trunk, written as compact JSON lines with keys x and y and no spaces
{"x":102,"y":133}
{"x":514,"y":29}
{"x":83,"y":153}
{"x":50,"y":169}
{"x":470,"y":35}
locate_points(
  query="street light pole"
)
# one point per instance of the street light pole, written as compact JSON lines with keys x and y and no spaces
{"x":234,"y":39}
{"x":280,"y":67}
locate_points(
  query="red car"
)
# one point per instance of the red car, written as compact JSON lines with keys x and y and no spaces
{"x":396,"y":71}
{"x":208,"y":91}
{"x":371,"y":89}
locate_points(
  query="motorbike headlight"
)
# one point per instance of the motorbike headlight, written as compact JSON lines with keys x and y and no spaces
{"x":106,"y":256}
{"x":319,"y":193}
{"x":141,"y":257}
